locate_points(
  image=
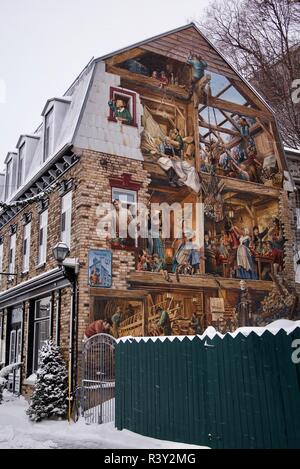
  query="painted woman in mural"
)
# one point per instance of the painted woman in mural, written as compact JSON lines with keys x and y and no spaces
{"x":245,"y":265}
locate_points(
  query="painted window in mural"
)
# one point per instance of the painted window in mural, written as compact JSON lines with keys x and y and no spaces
{"x":122,"y":105}
{"x":100,"y":268}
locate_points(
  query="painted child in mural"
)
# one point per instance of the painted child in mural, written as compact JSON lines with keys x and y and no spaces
{"x":121,"y":113}
{"x":164,"y":321}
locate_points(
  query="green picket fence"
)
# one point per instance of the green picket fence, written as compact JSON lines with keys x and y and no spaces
{"x":241,"y":392}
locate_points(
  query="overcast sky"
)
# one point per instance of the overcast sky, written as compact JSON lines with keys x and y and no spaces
{"x":44,"y":44}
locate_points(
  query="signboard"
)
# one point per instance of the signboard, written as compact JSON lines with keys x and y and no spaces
{"x":217,"y":305}
{"x":100,"y":268}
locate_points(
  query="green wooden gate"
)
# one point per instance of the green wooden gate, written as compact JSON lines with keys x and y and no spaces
{"x":241,"y":392}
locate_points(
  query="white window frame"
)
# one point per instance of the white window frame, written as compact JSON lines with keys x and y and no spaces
{"x":12,"y":254}
{"x":21,"y":166}
{"x":12,"y":346}
{"x":26,"y":247}
{"x":49,"y":133}
{"x":128,"y":205}
{"x":66,"y":218}
{"x":8,"y":179}
{"x":43,"y":235}
{"x":37,"y":321}
{"x":298,"y":217}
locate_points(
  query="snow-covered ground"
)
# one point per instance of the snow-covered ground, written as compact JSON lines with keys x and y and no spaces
{"x":18,"y":432}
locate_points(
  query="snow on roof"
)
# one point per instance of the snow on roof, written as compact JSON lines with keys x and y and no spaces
{"x":292,"y":150}
{"x":211,"y":332}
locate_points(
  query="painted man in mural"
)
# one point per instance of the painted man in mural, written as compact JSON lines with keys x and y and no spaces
{"x":164,"y":321}
{"x":116,"y":321}
{"x":199,"y":66}
{"x":121,"y":113}
{"x":98,"y":327}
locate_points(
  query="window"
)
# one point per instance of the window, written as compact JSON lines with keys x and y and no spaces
{"x":2,"y":344}
{"x":8,"y":179}
{"x":12,"y":254}
{"x":26,"y":247}
{"x":129,"y":102}
{"x":43,"y":238}
{"x":41,"y":328}
{"x":127,"y":198}
{"x":66,"y":218}
{"x":1,"y":264}
{"x":128,"y":201}
{"x":298,"y":217}
{"x":48,"y":135}
{"x":21,"y":165}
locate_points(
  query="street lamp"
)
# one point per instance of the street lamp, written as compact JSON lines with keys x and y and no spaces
{"x":60,"y":252}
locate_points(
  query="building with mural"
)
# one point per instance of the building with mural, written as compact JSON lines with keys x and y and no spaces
{"x":162,"y":130}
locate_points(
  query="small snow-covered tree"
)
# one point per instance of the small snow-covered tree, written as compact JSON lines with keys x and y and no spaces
{"x":49,"y":399}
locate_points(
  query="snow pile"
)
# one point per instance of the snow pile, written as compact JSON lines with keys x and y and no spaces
{"x":4,"y":372}
{"x":281,"y":324}
{"x":18,"y":432}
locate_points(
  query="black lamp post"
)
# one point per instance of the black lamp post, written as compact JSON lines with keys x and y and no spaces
{"x":70,"y":268}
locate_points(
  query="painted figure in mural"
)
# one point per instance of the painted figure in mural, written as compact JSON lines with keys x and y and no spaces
{"x":164,"y":321}
{"x":245,"y":265}
{"x":276,"y":234}
{"x":179,"y":254}
{"x":223,"y":249}
{"x":116,"y":321}
{"x":276,"y":255}
{"x":195,"y":325}
{"x":257,"y":239}
{"x":135,"y":66}
{"x":95,"y":278}
{"x":199,"y":66}
{"x":164,"y":80}
{"x":121,"y":113}
{"x":210,"y":254}
{"x":155,"y":241}
{"x":244,"y":309}
{"x":98,"y":327}
{"x":244,"y":128}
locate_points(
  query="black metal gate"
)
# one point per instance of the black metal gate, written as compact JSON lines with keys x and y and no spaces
{"x":98,"y":379}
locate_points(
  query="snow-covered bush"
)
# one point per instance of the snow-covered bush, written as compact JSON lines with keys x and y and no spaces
{"x":49,"y":399}
{"x":4,"y":372}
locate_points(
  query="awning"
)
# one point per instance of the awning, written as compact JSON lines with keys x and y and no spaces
{"x":34,"y":288}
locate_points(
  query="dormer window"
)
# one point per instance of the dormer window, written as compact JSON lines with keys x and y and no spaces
{"x":48,"y":135}
{"x":21,"y":161}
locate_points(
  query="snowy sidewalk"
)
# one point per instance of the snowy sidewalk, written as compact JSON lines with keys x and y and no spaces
{"x":18,"y":432}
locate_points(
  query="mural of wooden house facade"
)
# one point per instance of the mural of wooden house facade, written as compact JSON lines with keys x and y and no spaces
{"x":163,"y":130}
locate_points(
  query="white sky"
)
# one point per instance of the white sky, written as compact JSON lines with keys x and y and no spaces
{"x":44,"y":44}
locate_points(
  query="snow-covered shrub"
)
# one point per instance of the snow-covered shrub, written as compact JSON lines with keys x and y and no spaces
{"x":49,"y":399}
{"x":4,"y":372}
